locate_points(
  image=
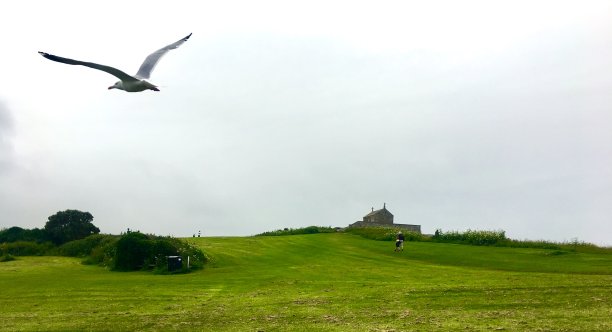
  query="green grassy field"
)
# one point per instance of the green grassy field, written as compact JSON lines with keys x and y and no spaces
{"x":324,"y":282}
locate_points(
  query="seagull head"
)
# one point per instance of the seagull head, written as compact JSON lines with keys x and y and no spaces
{"x":117,"y":85}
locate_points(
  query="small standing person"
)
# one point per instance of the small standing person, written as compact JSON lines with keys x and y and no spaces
{"x":399,"y":241}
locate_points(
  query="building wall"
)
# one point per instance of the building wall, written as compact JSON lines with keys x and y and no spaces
{"x":410,"y":228}
{"x":406,"y":227}
{"x":380,"y":217}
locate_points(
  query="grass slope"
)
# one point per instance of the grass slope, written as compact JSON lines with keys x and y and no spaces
{"x":324,"y":282}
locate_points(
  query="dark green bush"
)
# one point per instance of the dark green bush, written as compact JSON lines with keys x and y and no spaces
{"x":134,"y":250}
{"x":103,"y":255}
{"x":15,"y":234}
{"x":137,"y":251}
{"x":24,"y":248}
{"x":97,"y":249}
{"x":299,"y":231}
{"x":85,"y":247}
{"x":129,"y":252}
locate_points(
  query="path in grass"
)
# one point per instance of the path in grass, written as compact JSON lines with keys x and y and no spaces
{"x":319,"y":282}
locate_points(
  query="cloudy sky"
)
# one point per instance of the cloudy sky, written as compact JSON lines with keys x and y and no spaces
{"x":457,"y":114}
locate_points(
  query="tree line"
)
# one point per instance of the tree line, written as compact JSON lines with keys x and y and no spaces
{"x":62,"y":227}
{"x":72,"y":233}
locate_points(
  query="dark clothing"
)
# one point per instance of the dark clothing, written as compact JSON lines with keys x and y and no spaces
{"x":399,"y":242}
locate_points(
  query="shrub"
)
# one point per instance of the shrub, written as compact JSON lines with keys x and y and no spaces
{"x":529,"y":244}
{"x":478,"y":238}
{"x":133,"y":249}
{"x":15,"y":234}
{"x":24,"y":248}
{"x":581,"y":246}
{"x":197,"y":258}
{"x":385,"y":233}
{"x":573,"y":246}
{"x":84,"y":247}
{"x":98,"y":249}
{"x":299,"y":231}
{"x":104,"y":254}
{"x":7,"y":258}
{"x":137,"y":251}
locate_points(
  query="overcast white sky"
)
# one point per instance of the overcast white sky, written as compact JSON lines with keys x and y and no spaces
{"x":458,"y":114}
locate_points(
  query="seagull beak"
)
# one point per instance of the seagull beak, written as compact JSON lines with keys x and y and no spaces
{"x":111,"y":87}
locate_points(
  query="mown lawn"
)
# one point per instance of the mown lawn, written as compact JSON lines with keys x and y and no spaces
{"x":322,"y":282}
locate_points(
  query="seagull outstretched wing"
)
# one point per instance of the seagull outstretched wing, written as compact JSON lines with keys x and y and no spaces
{"x":113,"y":71}
{"x":151,"y":61}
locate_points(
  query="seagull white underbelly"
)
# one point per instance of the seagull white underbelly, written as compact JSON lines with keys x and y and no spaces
{"x":137,"y":86}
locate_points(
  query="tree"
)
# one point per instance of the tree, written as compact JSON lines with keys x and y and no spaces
{"x":70,"y":225}
{"x":15,"y":234}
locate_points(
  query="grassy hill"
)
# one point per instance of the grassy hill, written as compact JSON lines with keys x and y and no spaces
{"x":325,"y":282}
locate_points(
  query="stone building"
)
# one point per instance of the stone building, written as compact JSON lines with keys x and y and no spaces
{"x":383,"y":218}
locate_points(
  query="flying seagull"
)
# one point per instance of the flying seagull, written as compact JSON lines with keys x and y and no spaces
{"x":128,"y":83}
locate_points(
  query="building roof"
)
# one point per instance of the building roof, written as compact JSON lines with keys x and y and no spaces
{"x":375,"y":212}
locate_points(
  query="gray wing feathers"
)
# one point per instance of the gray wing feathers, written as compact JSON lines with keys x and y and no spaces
{"x":113,"y":71}
{"x":151,"y":61}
